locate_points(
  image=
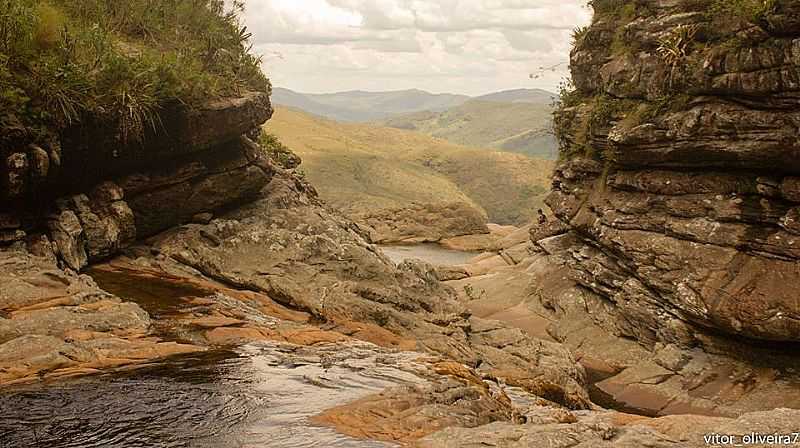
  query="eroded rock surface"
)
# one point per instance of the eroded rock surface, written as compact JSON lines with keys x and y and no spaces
{"x":686,"y":199}
{"x":59,"y":323}
{"x":420,"y":223}
{"x":551,"y":428}
{"x":667,"y":270}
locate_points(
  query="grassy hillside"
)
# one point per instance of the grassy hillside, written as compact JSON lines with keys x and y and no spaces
{"x":357,"y":166}
{"x":536,"y":96}
{"x":365,"y":106}
{"x":61,"y":60}
{"x":522,"y":127}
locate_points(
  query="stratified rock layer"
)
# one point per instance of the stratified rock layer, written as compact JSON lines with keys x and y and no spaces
{"x":684,"y":192}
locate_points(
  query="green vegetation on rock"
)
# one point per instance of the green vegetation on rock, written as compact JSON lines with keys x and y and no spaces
{"x":752,"y":10}
{"x":63,"y":60}
{"x":279,"y":152}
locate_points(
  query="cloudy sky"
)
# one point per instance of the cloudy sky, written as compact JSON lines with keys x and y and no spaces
{"x":456,"y":46}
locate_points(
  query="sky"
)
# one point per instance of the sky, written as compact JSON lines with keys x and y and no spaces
{"x":468,"y":47}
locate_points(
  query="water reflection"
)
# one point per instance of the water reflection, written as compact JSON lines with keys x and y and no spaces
{"x":258,"y":397}
{"x":429,"y":252}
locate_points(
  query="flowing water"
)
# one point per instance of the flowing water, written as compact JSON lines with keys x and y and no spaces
{"x":257,"y":396}
{"x":428,"y":252}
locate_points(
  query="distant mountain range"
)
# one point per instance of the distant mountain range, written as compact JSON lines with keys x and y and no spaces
{"x":364,"y":106}
{"x":358,"y":105}
{"x":534,"y":96}
{"x":516,"y":120}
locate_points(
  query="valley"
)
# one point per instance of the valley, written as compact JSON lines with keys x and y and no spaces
{"x":363,"y":168}
{"x":187,"y":260}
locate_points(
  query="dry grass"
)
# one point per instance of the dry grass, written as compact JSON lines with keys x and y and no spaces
{"x":358,"y":166}
{"x":518,"y":127}
{"x":64,"y":60}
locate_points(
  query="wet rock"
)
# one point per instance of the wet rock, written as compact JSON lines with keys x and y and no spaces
{"x":111,"y":317}
{"x":406,"y":413}
{"x":54,"y":321}
{"x":290,"y":248}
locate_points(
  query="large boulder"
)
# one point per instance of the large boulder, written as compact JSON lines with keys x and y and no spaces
{"x":418,"y":223}
{"x":679,"y":171}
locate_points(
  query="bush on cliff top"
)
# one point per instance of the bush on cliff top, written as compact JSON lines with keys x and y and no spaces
{"x":61,"y":60}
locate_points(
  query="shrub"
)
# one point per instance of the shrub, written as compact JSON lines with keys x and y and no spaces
{"x":63,"y":59}
{"x":279,"y":152}
{"x":49,"y":26}
{"x":750,"y":10}
{"x":673,"y":47}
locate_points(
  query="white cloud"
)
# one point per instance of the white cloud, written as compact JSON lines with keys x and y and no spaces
{"x":459,"y":46}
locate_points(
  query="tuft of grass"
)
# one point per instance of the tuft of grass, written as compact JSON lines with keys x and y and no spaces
{"x":50,"y":25}
{"x":673,"y":47}
{"x":578,"y":33}
{"x":63,"y":60}
{"x":279,"y":152}
{"x":751,"y":10}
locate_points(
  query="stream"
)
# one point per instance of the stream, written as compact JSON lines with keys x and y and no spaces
{"x":257,"y":396}
{"x":429,"y":252}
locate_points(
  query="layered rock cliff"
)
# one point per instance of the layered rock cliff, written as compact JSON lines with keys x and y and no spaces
{"x":678,"y":182}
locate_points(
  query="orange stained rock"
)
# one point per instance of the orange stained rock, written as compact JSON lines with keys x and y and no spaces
{"x":47,"y":303}
{"x":236,"y":335}
{"x":460,"y":371}
{"x":311,"y":336}
{"x":374,"y":334}
{"x":207,"y":287}
{"x":215,"y":321}
{"x":381,"y":417}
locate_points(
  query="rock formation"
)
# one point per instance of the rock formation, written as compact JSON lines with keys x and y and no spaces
{"x":670,"y":268}
{"x":664,"y":287}
{"x":422,"y":223}
{"x":209,"y":243}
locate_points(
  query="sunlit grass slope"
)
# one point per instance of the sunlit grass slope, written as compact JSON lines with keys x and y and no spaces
{"x":361,"y":166}
{"x":518,"y":127}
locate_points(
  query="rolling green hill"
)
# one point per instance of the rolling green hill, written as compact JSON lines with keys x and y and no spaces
{"x":364,"y":166}
{"x":365,"y":106}
{"x":536,"y":96}
{"x":521,"y":126}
